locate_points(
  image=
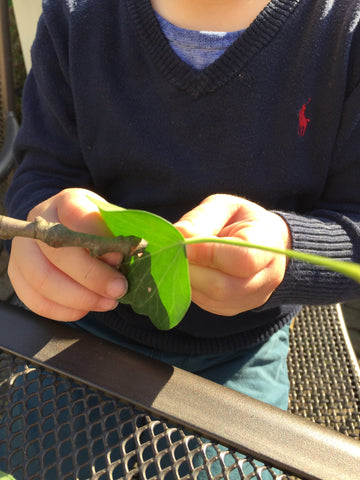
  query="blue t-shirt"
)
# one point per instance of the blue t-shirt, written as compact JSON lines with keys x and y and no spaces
{"x":197,"y":48}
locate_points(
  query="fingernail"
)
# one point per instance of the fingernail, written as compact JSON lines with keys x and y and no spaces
{"x":117,"y":288}
{"x":107,"y":304}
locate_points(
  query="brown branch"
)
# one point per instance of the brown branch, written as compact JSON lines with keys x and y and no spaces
{"x":57,"y":235}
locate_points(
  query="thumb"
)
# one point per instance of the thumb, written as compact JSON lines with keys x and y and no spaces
{"x":76,"y":210}
{"x":73,"y":208}
{"x":209,"y":218}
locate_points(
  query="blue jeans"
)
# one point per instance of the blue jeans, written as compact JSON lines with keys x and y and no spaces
{"x":258,"y":371}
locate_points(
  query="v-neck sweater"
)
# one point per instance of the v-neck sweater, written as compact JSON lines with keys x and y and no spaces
{"x":198,"y":83}
{"x":109,"y":106}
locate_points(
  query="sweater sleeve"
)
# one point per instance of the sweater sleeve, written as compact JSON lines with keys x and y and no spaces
{"x":47,"y":148}
{"x":332,"y":228}
{"x":324,"y":232}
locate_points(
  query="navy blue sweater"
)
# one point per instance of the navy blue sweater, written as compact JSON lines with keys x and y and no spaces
{"x":110,"y":107}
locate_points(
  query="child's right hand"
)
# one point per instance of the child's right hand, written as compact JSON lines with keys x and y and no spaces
{"x":66,"y":283}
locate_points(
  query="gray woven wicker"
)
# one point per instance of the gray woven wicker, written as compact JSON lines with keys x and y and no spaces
{"x":75,"y":407}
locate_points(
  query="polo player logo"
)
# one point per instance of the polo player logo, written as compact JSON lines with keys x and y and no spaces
{"x":303,"y":120}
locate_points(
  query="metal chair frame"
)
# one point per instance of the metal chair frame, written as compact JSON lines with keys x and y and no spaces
{"x":8,"y":122}
{"x":6,"y":86}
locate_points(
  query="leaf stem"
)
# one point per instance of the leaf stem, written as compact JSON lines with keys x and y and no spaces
{"x":349,"y":269}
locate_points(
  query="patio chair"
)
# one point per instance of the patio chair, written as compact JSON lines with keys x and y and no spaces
{"x":8,"y":130}
{"x":8,"y":123}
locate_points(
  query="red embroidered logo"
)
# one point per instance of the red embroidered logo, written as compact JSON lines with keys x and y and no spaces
{"x":303,"y":121}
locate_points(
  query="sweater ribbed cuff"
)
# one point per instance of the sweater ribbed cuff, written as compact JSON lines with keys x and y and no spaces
{"x":309,"y":284}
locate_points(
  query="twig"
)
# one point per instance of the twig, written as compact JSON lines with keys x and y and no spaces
{"x":57,"y":235}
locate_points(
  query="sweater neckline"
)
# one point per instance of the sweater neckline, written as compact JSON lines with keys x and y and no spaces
{"x":201,"y":82}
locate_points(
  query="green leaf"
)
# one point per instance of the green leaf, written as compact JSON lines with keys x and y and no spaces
{"x":6,"y":476}
{"x":159,"y":284}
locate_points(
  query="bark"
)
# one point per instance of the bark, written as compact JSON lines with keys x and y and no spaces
{"x":57,"y":235}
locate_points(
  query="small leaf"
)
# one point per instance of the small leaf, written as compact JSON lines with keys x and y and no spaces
{"x":159,"y":284}
{"x":143,"y":294}
{"x":6,"y":476}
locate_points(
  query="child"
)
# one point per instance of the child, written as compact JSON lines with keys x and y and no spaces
{"x":233,"y":118}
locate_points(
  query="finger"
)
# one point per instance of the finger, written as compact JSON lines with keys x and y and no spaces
{"x":210,"y":217}
{"x":45,"y":307}
{"x":217,"y":286}
{"x":79,"y":213}
{"x":225,"y":295}
{"x":74,"y":209}
{"x":114,"y":259}
{"x":227,"y":217}
{"x":85,"y":270}
{"x":35,"y":270}
{"x":237,"y":261}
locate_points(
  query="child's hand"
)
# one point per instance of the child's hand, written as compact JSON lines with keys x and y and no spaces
{"x":227,"y":280}
{"x":66,"y":283}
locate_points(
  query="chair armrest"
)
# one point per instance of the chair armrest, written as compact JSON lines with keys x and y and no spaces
{"x":7,"y":159}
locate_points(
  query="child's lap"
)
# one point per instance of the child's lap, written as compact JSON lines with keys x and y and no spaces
{"x":258,"y":371}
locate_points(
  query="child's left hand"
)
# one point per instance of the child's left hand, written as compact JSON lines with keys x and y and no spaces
{"x":227,"y":280}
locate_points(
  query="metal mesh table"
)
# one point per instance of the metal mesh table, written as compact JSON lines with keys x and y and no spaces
{"x":75,"y":407}
{"x":58,"y":429}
